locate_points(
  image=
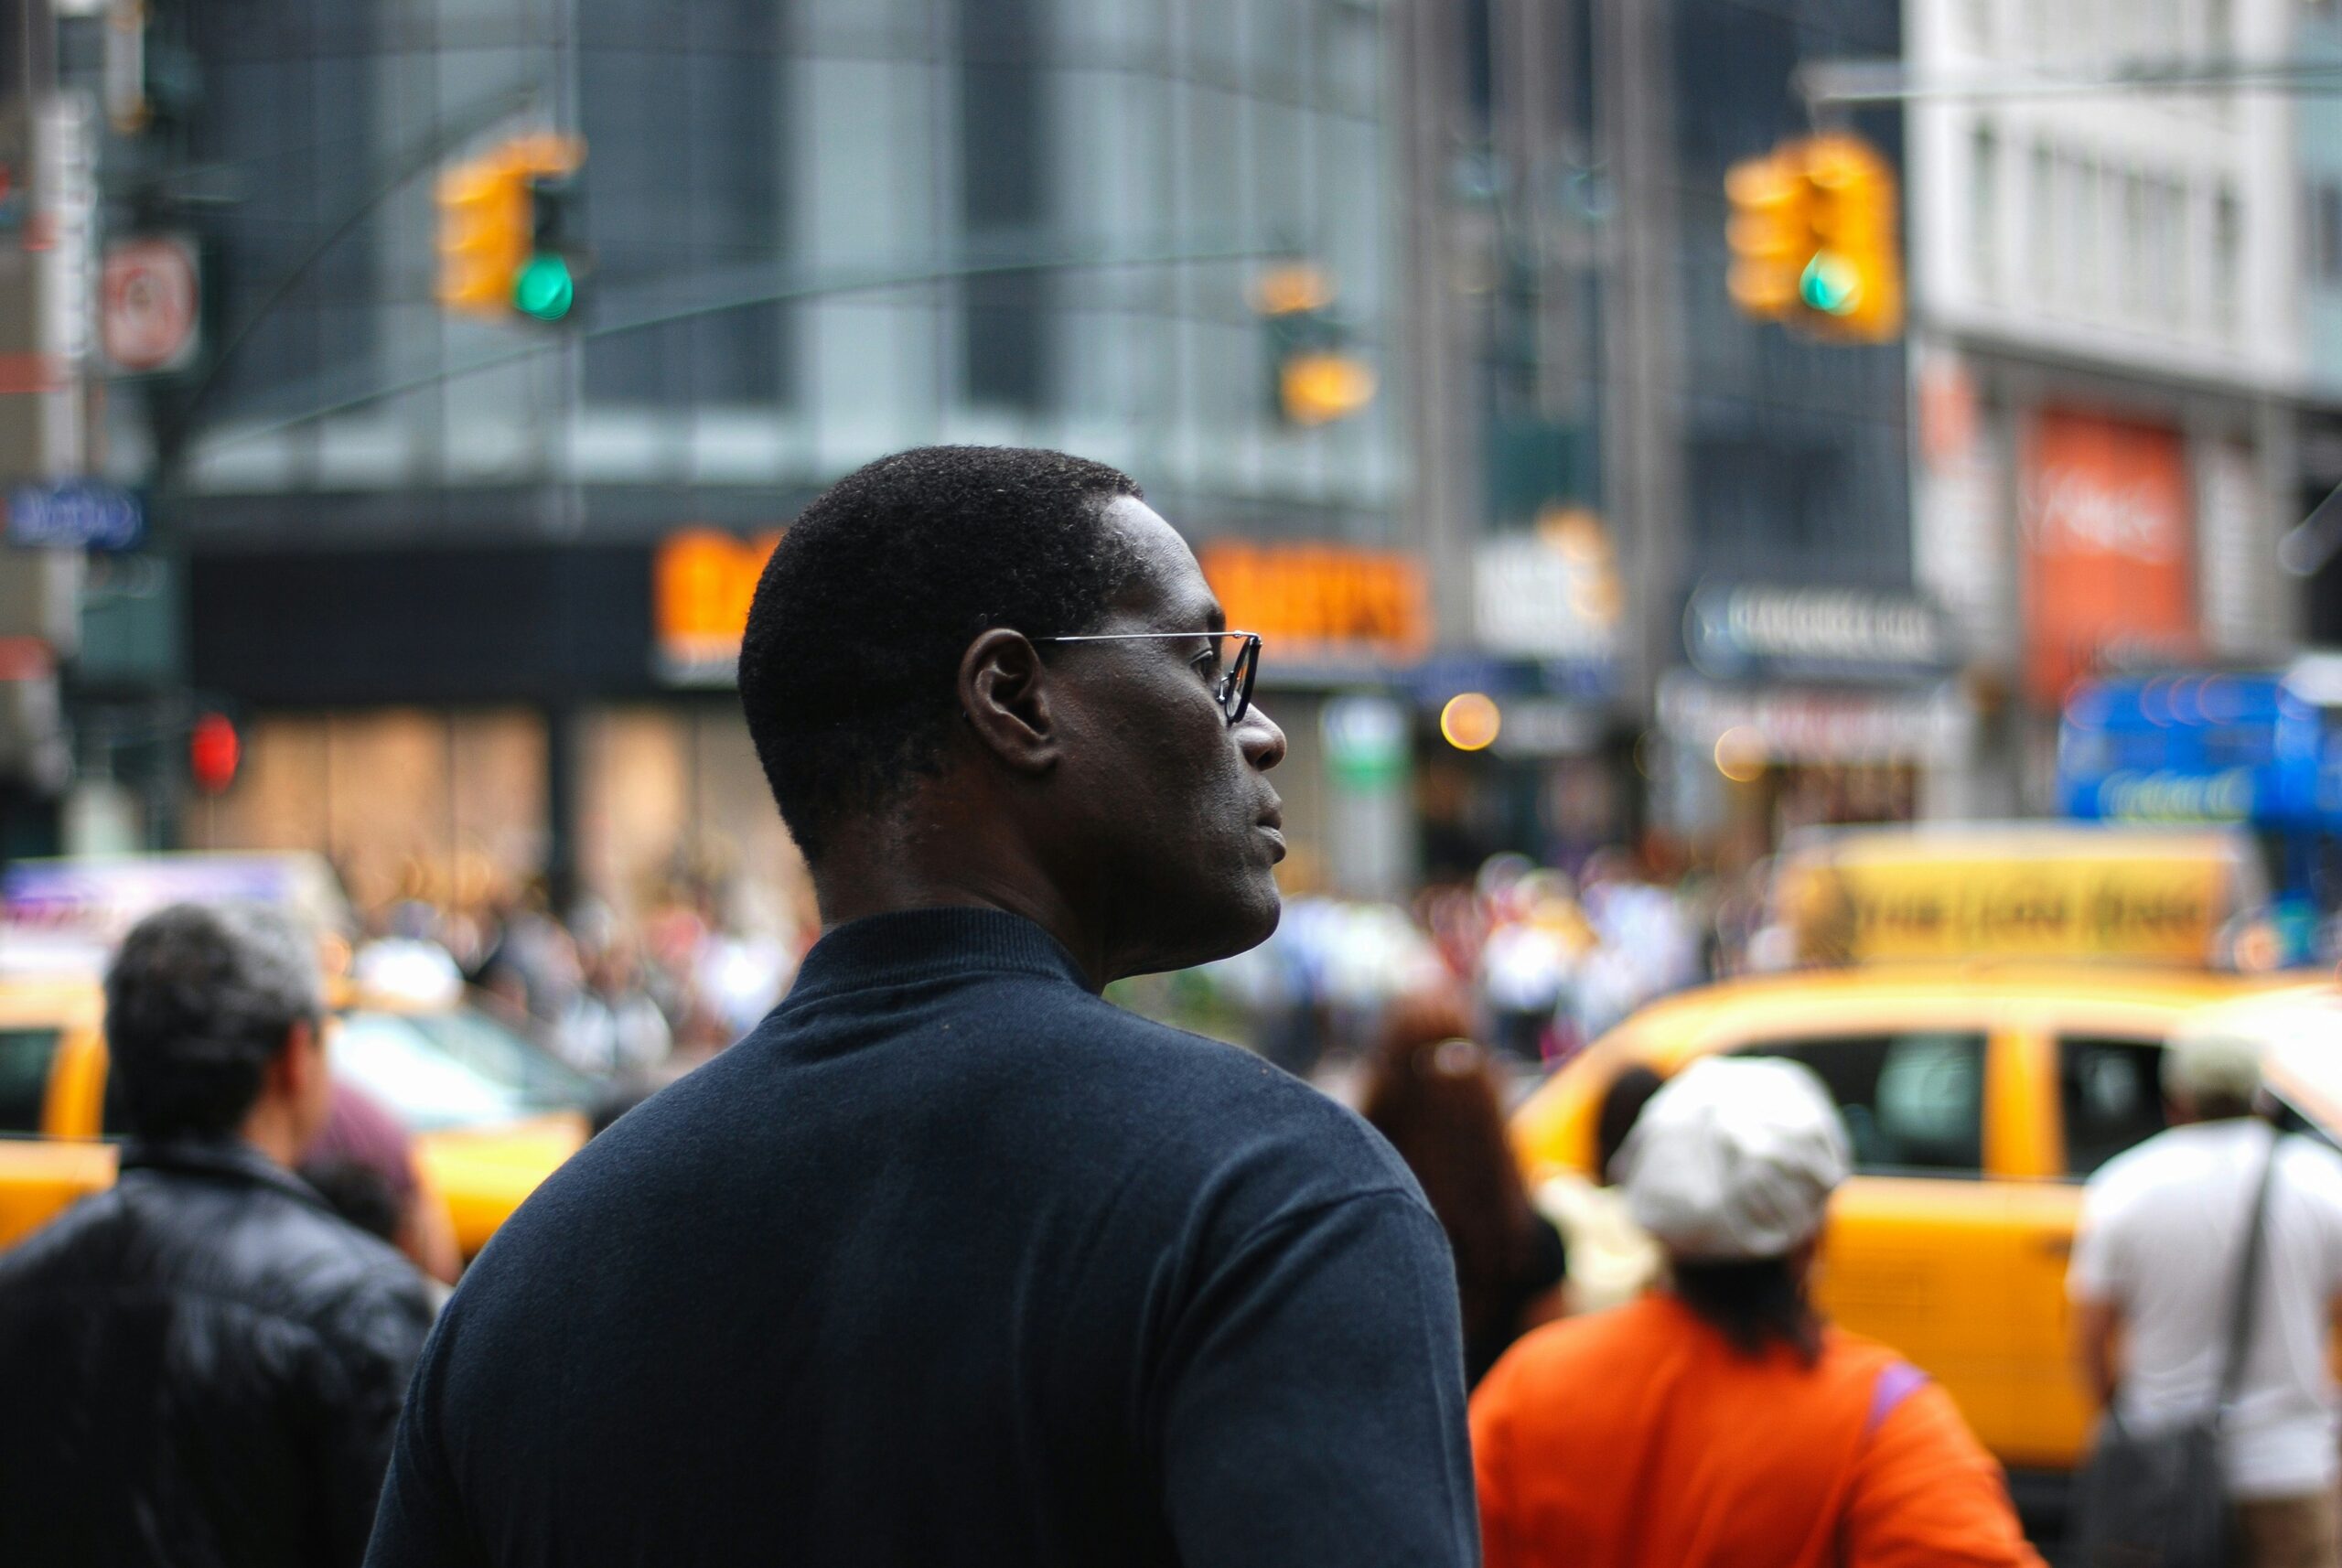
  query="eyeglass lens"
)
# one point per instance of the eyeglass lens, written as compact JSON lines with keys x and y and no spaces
{"x":1236,"y":680}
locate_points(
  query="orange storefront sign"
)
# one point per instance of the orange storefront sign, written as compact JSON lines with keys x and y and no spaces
{"x":1329,"y":602}
{"x":2108,"y":541}
{"x":701,"y":583}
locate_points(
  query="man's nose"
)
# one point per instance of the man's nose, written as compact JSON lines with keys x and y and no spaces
{"x":1263,"y":741}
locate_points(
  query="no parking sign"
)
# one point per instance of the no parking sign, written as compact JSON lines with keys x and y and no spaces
{"x":149,"y":314}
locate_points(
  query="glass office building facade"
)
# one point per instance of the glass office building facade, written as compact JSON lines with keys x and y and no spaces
{"x":820,"y":231}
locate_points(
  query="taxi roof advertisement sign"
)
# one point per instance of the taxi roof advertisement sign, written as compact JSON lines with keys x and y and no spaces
{"x":2141,"y":897}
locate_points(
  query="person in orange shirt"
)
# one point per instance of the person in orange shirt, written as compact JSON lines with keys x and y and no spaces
{"x":1717,"y":1422}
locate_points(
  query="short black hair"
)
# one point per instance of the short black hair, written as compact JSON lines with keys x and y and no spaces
{"x":1622,"y":1103}
{"x":199,"y":998}
{"x":853,"y":640}
{"x":1755,"y":1303}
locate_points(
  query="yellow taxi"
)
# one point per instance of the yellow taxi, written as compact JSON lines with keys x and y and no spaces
{"x":1979,"y":1091}
{"x":491,"y":1114}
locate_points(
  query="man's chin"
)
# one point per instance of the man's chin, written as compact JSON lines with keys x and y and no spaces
{"x":1236,"y":925}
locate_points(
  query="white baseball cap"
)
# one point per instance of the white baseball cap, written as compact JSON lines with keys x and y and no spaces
{"x":1735,"y":1159}
{"x":2211,"y":1056}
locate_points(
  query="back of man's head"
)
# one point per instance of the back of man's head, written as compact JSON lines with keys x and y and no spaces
{"x":2211,"y":1070}
{"x":199,"y":998}
{"x":851,"y":656}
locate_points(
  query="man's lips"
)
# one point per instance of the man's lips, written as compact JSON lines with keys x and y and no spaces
{"x":1272,"y":827}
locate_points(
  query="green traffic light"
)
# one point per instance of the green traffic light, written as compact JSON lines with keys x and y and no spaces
{"x":1829,"y":283}
{"x":543,"y":287}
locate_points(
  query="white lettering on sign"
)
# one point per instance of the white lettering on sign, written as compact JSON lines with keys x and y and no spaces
{"x":1822,"y":623}
{"x":2141,"y":796}
{"x":1534,"y":600}
{"x":2079,"y":511}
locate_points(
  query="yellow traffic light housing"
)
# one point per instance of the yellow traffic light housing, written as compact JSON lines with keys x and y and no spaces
{"x":1319,"y":388}
{"x":1813,"y":235}
{"x":1293,"y":289}
{"x":1768,"y":234}
{"x":483,"y":235}
{"x":1315,"y":376}
{"x":489,"y":226}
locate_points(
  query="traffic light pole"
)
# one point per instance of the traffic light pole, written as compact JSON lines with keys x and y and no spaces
{"x":421,"y":159}
{"x":859,"y":282}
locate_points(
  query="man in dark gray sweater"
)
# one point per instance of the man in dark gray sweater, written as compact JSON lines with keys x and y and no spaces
{"x":949,"y":1261}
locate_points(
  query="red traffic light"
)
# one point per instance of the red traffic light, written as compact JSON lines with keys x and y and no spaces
{"x":213,"y":749}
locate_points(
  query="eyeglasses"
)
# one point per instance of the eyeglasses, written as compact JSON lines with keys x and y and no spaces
{"x":1234,"y":688}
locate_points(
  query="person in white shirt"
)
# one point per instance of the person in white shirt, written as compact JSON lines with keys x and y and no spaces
{"x":2162,"y":1230}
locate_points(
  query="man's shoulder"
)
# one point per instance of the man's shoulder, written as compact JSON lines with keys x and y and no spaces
{"x":2174,"y":1157}
{"x":263,"y":1252}
{"x":1219,"y":1101}
{"x":73,"y":1241}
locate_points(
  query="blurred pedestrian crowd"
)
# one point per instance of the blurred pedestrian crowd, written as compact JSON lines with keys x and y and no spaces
{"x":1545,"y":960}
{"x":613,"y":997}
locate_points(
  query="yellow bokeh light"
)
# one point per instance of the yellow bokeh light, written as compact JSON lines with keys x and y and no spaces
{"x":1470,"y":721}
{"x":1740,"y":754}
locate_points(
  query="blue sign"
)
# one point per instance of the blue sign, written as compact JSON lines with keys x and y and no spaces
{"x":76,"y":514}
{"x":2215,"y":747}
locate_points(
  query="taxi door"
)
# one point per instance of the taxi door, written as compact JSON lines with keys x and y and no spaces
{"x":1919,"y":1251}
{"x":2097,"y":1077}
{"x":50,"y":1150}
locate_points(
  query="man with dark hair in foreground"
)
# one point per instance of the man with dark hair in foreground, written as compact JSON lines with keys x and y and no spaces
{"x":949,"y":1261}
{"x":203,"y":1365}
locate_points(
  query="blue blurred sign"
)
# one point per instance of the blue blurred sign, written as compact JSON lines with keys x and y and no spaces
{"x":76,"y":514}
{"x":2215,"y":747}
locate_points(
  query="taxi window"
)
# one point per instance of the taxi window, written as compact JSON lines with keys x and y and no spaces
{"x":1912,"y":1102}
{"x":25,"y":1058}
{"x":2110,"y":1093}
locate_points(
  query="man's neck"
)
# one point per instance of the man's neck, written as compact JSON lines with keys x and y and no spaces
{"x":272,"y":1134}
{"x":881,"y":868}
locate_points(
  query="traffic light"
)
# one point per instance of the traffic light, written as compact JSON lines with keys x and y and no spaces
{"x":1814,"y":239}
{"x":506,"y":243}
{"x":545,"y":286}
{"x":1852,"y":285}
{"x":213,"y":750}
{"x":1315,"y":376}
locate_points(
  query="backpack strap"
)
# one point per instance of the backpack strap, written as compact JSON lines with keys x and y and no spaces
{"x":2247,"y":1278}
{"x":1898,"y":1381}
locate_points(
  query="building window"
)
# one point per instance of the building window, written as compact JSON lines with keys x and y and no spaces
{"x":2076,"y":225}
{"x":2174,"y":252}
{"x":2041,"y":224}
{"x":2132,"y":263}
{"x":687,"y":120}
{"x":2228,"y":260}
{"x":1004,"y":202}
{"x":2326,"y":233}
{"x":1984,"y":209}
{"x":1977,"y":16}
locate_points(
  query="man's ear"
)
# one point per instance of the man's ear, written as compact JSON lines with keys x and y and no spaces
{"x":291,"y":1069}
{"x":1005,"y":696}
